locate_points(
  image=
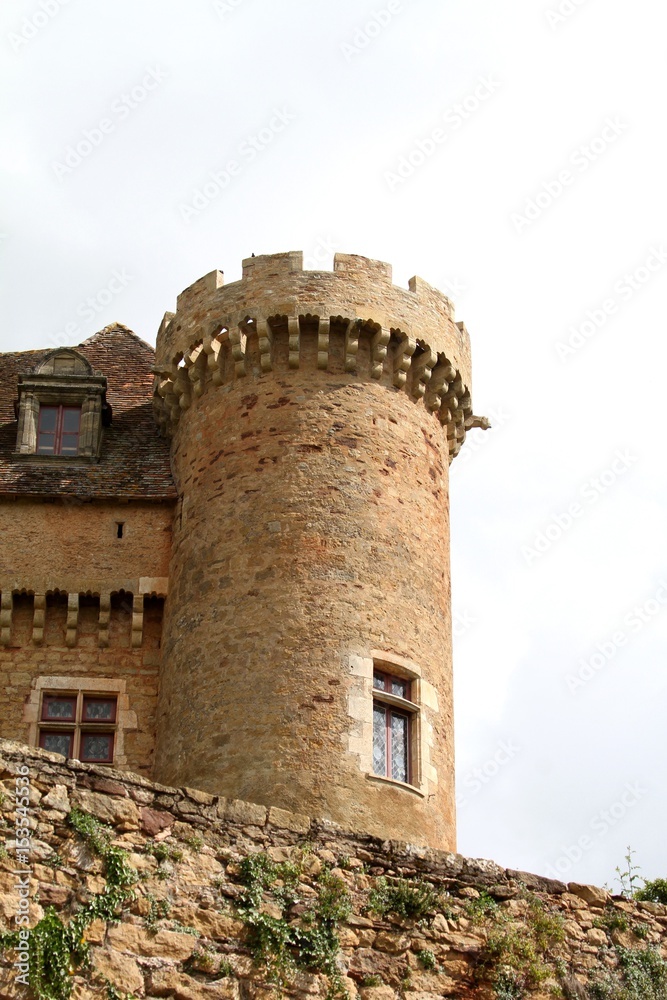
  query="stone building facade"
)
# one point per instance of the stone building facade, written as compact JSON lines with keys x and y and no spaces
{"x":225,"y":563}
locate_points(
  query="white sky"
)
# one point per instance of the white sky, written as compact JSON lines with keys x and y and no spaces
{"x":583,"y":772}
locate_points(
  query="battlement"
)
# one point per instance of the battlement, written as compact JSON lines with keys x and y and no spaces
{"x":281,"y":266}
{"x":352,"y":319}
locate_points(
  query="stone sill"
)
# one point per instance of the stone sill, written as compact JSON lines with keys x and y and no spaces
{"x":34,"y":459}
{"x":397,"y":784}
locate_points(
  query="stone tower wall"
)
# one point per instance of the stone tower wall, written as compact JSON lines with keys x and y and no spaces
{"x":313,"y":417}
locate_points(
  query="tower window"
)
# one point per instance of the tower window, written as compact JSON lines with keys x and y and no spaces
{"x":393,"y":715}
{"x":58,"y":430}
{"x":120,"y":528}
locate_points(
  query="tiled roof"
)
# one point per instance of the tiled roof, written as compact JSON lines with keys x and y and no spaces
{"x":134,"y":463}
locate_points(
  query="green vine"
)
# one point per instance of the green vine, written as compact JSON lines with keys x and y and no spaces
{"x":308,"y":941}
{"x":57,"y":949}
{"x":518,"y":958}
{"x":641,"y":975}
{"x":411,"y":899}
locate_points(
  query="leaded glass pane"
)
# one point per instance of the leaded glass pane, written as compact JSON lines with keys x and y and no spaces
{"x":70,"y":444}
{"x":378,"y":682}
{"x":71,"y":420}
{"x":57,"y":743}
{"x":46,"y":444}
{"x":399,"y":747}
{"x":47,"y":418}
{"x":399,"y":687}
{"x":62,"y":709}
{"x":99,"y":710}
{"x":96,"y":746}
{"x":379,"y":740}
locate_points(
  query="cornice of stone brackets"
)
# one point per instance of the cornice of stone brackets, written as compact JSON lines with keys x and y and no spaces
{"x":426,"y":375}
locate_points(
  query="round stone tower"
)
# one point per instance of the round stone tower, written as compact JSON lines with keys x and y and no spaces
{"x":307,"y":640}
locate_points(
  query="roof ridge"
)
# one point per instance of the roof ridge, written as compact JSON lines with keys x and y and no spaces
{"x":116,"y":328}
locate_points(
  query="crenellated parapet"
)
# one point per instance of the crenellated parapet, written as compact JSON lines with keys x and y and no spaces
{"x":280,"y":318}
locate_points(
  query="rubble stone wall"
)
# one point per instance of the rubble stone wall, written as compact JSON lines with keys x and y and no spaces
{"x":475,"y":928}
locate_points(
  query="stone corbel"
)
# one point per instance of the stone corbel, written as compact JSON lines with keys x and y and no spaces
{"x":422,"y":370}
{"x":72,"y":619}
{"x":104,"y":618}
{"x":6,"y":604}
{"x":351,"y":345}
{"x":264,"y":340}
{"x":38,"y":619}
{"x":323,"y":333}
{"x":238,"y":341}
{"x":379,"y":352}
{"x":137,"y":620}
{"x":405,"y":348}
{"x":294,"y":330}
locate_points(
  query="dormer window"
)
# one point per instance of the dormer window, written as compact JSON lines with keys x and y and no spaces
{"x":58,"y":430}
{"x":61,"y":409}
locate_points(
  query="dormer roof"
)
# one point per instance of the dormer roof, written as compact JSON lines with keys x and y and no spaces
{"x":134,"y":459}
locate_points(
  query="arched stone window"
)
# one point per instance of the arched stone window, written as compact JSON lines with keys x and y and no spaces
{"x":62,"y":408}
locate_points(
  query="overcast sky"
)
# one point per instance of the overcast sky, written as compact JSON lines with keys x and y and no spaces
{"x":512,"y":154}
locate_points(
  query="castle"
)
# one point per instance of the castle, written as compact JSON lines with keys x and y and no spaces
{"x":225,"y":563}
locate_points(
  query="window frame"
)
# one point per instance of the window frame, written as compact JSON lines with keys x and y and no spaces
{"x":403,"y":707}
{"x":59,"y":431}
{"x":79,"y":726}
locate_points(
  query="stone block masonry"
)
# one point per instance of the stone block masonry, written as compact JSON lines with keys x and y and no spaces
{"x":82,"y":609}
{"x":186,"y":933}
